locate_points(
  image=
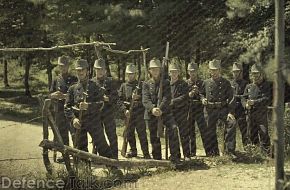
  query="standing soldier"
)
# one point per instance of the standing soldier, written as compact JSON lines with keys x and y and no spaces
{"x":111,"y":99}
{"x":179,"y":105}
{"x":152,"y":112}
{"x":219,"y":105}
{"x":58,"y":92}
{"x":259,"y":96}
{"x":127,"y":91}
{"x":239,"y":85}
{"x":196,"y":109}
{"x":83,"y":108}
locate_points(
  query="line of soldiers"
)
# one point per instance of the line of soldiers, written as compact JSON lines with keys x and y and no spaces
{"x":86,"y":105}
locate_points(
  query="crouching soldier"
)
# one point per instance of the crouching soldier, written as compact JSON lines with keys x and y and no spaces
{"x":153,"y":112}
{"x":259,"y":96}
{"x":179,"y":105}
{"x":83,"y":108}
{"x":132,"y":90}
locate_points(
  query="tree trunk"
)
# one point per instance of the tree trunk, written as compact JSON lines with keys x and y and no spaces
{"x":119,"y":70}
{"x":108,"y":67}
{"x":123,"y":70}
{"x":5,"y":73}
{"x":49,"y":72}
{"x":278,"y":103}
{"x":27,"y":61}
{"x":139,"y":66}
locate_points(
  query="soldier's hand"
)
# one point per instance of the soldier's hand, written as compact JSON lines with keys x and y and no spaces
{"x":57,"y":95}
{"x":191,"y":94}
{"x":127,"y":113}
{"x":76,"y":123}
{"x":250,"y":102}
{"x":156,"y":112}
{"x":231,"y":117}
{"x":248,"y":106}
{"x":84,"y":106}
{"x":106,"y":98}
{"x":204,"y":101}
{"x":136,"y":97}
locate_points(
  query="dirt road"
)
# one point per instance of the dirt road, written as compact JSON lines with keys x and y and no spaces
{"x":20,"y":156}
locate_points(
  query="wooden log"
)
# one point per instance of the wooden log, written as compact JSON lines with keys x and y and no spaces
{"x":103,"y":160}
{"x":56,"y":133}
{"x":56,"y":47}
{"x":45,"y":133}
{"x":125,"y":52}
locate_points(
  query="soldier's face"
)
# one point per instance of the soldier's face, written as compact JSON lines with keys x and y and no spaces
{"x":100,"y":73}
{"x":63,"y":69}
{"x":174,"y":75}
{"x":237,"y":74}
{"x":82,"y":74}
{"x":155,"y":72}
{"x":215,"y":73}
{"x":192,"y":74}
{"x":131,"y":76}
{"x":257,"y":77}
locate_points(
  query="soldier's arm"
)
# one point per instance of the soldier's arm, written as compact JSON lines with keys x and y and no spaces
{"x":69,"y":103}
{"x":265,"y":98}
{"x":53,"y":86}
{"x":166,"y":98}
{"x":184,"y":97}
{"x":122,"y":98}
{"x":146,"y":99}
{"x":230,"y":97}
{"x":245,"y":95}
{"x":202,"y":91}
{"x":113,"y":96}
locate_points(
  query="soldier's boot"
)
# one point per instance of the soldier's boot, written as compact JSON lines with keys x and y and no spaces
{"x":145,"y":150}
{"x":156,"y":151}
{"x":174,"y":145}
{"x":132,"y":153}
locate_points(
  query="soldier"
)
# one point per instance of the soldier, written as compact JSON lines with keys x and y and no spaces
{"x":196,"y":109}
{"x":152,"y":112}
{"x":259,"y":96}
{"x":239,"y":85}
{"x":58,"y":91}
{"x":83,"y":108}
{"x":179,"y":105}
{"x":218,"y":99}
{"x":111,"y":99}
{"x":127,"y":91}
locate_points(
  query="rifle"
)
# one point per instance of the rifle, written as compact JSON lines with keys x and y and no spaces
{"x":127,"y":122}
{"x":160,"y":92}
{"x":144,"y":63}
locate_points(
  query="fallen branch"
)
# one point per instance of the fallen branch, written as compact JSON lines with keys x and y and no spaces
{"x":103,"y":160}
{"x":57,"y":47}
{"x":124,"y":52}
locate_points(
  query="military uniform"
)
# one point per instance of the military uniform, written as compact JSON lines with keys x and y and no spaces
{"x":90,"y":118}
{"x":261,"y":94}
{"x":196,"y":111}
{"x":62,"y":84}
{"x":108,"y":112}
{"x":150,"y":99}
{"x":219,"y":95}
{"x":179,"y":106}
{"x":239,"y":86}
{"x":136,"y":118}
